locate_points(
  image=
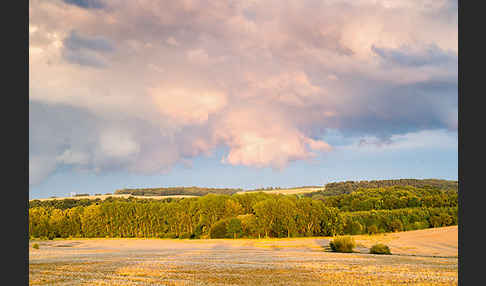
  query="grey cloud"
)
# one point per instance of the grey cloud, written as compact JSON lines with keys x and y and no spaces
{"x":54,"y":129}
{"x":404,"y":56}
{"x":75,"y":41}
{"x":40,"y":167}
{"x":399,"y":109}
{"x":87,"y":51}
{"x":87,"y":4}
{"x":84,"y":59}
{"x":62,"y":136}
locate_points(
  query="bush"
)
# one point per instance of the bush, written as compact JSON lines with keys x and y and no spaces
{"x":35,"y":246}
{"x":170,"y":235}
{"x":218,"y":230}
{"x":185,"y":235}
{"x":380,"y":249}
{"x":421,"y":224}
{"x":342,"y":244}
{"x":353,"y":227}
{"x":442,"y":219}
{"x":396,"y":225}
{"x":233,"y":228}
{"x":372,"y":229}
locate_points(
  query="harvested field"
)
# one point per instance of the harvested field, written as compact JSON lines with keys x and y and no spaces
{"x":440,"y":241}
{"x":292,"y":191}
{"x":295,"y":261}
{"x":103,"y":197}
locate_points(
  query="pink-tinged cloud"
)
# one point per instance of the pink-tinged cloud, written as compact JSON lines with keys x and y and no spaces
{"x":187,"y":106}
{"x":261,"y":137}
{"x":291,"y":87}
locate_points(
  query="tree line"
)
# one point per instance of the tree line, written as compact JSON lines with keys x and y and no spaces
{"x":348,"y":187}
{"x":396,"y":197}
{"x":71,"y":203}
{"x":172,"y":191}
{"x":250,"y":215}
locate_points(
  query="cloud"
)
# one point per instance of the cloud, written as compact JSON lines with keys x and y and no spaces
{"x":70,"y":157}
{"x":85,"y":50}
{"x":39,"y":168}
{"x":406,"y":56}
{"x":424,"y":139}
{"x":173,"y":42}
{"x":260,"y":137}
{"x":187,"y":106}
{"x":84,"y":59}
{"x":87,"y":4}
{"x":145,"y":85}
{"x":118,"y":144}
{"x":75,"y":41}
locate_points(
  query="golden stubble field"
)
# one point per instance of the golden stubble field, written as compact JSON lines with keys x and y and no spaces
{"x":291,"y":191}
{"x":125,"y":196}
{"x":423,"y":257}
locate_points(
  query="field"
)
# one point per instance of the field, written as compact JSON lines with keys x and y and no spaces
{"x":102,"y":197}
{"x":423,"y":257}
{"x":291,"y":191}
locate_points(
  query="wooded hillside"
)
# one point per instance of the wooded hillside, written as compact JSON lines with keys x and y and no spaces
{"x":259,"y":214}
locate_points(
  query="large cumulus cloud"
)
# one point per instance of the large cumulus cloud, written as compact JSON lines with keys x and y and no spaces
{"x":143,"y":85}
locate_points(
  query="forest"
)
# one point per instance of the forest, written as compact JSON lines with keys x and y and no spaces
{"x":250,"y":215}
{"x":348,"y":187}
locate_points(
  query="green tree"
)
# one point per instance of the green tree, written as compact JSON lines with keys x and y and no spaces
{"x":219,"y":229}
{"x":233,"y":228}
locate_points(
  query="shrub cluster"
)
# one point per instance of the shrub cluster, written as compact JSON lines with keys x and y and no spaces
{"x":343,"y":244}
{"x":380,"y":249}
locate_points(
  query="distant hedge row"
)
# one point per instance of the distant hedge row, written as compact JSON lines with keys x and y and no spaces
{"x":173,"y":191}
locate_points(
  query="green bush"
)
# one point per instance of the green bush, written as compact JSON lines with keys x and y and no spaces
{"x":218,"y":230}
{"x":372,"y":229}
{"x":342,"y":244}
{"x":421,"y":224}
{"x":170,"y":235}
{"x":442,"y":219}
{"x":185,"y":235}
{"x":233,"y":228}
{"x":380,"y":249}
{"x":396,"y":225}
{"x":353,"y":227}
{"x":35,"y":245}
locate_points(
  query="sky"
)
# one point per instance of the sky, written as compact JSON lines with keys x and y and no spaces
{"x":243,"y":94}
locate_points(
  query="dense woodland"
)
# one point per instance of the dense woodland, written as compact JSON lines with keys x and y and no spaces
{"x":254,"y":215}
{"x":348,"y":187}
